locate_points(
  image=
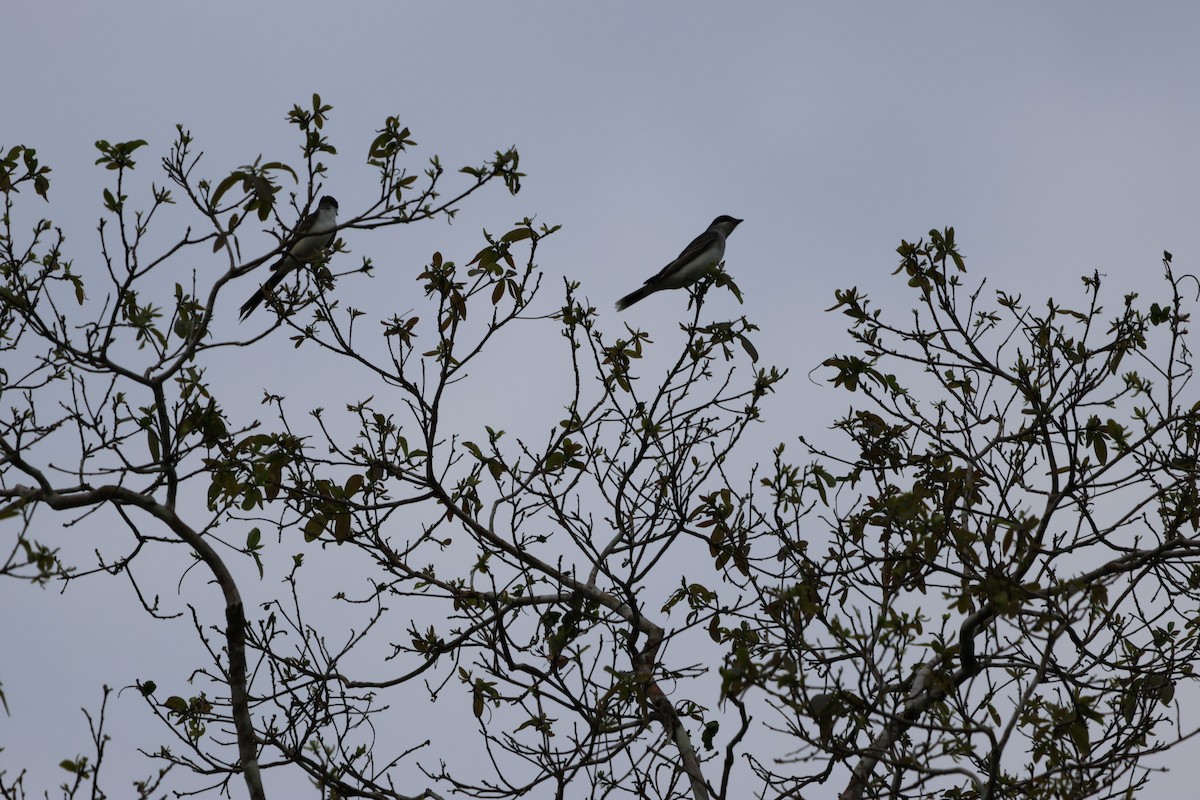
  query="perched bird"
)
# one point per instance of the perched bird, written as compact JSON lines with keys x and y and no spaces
{"x":697,"y":260}
{"x":311,"y":237}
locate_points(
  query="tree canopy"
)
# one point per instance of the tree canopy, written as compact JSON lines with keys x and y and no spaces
{"x":988,"y":590}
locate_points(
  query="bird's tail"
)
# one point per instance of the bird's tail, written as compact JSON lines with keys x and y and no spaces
{"x":634,"y":296}
{"x":258,"y":297}
{"x":254,"y":302}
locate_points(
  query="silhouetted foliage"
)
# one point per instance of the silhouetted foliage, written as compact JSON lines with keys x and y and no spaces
{"x":990,"y":591}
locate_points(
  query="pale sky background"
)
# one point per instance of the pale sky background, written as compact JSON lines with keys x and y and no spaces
{"x":1057,"y":139}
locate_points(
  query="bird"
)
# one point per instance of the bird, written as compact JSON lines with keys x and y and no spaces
{"x":311,"y":237}
{"x":698,"y":259}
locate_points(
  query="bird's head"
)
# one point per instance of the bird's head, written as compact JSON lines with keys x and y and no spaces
{"x":328,"y":202}
{"x":725,"y":224}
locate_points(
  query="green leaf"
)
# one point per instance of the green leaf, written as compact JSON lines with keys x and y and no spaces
{"x":226,"y":184}
{"x":315,"y":527}
{"x":274,"y":480}
{"x":749,"y":348}
{"x":11,"y":510}
{"x":279,"y":165}
{"x":710,"y":733}
{"x":517,"y":234}
{"x":183,"y":326}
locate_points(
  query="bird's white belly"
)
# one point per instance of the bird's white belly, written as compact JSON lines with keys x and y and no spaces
{"x":689,"y":273}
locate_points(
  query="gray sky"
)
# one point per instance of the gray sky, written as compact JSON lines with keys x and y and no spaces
{"x":1057,"y":139}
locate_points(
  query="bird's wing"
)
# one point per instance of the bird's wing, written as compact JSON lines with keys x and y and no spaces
{"x":304,"y":228}
{"x":307,"y":225}
{"x":693,"y":250}
{"x":298,"y":235}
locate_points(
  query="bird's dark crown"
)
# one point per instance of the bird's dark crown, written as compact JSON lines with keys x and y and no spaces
{"x":328,"y":200}
{"x":725,"y":219}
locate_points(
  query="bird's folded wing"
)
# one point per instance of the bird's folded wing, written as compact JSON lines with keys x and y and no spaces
{"x":306,"y":226}
{"x":693,"y":250}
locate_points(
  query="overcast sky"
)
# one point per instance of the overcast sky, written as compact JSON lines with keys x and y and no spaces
{"x":1058,"y":140}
